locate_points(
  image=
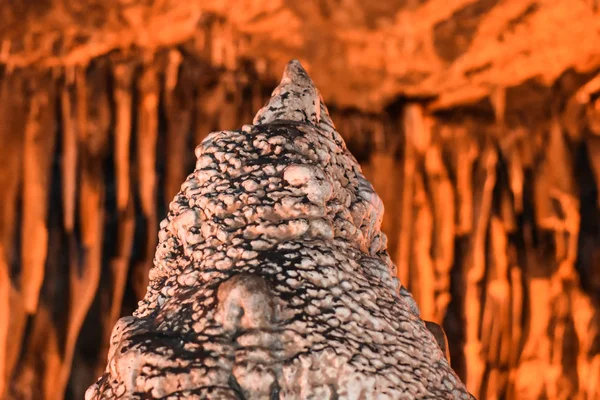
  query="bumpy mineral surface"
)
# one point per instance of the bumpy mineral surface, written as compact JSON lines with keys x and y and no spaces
{"x":271,"y":279}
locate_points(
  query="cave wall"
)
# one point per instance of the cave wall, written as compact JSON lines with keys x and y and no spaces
{"x":482,"y":142}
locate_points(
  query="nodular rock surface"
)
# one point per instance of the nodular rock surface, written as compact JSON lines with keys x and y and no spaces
{"x":271,"y":279}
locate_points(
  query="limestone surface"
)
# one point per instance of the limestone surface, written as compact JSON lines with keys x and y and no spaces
{"x":271,"y":279}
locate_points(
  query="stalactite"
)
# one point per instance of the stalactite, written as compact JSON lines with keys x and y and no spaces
{"x":16,"y":327}
{"x":209,"y":97}
{"x":584,"y":94}
{"x":563,"y":383}
{"x":147,"y":117}
{"x":507,"y":210}
{"x":558,"y":154}
{"x":535,"y":356}
{"x":590,"y":382}
{"x":423,"y":272}
{"x":442,"y":194}
{"x":592,"y":112}
{"x":94,"y":118}
{"x":69,"y":150}
{"x":486,"y":210}
{"x":5,"y":316}
{"x":257,"y":100}
{"x":466,"y":153}
{"x":516,"y":176}
{"x":36,"y":378}
{"x":119,"y":266}
{"x":382,"y":168}
{"x":245,"y":83}
{"x":583,"y":322}
{"x":516,"y":329}
{"x":593,"y":150}
{"x":38,"y":152}
{"x":496,"y":312}
{"x":12,"y":112}
{"x":566,"y":232}
{"x":495,"y":327}
{"x":217,"y":44}
{"x":179,"y":110}
{"x":230,"y":104}
{"x":122,"y":72}
{"x":52,"y":362}
{"x":476,"y":270}
{"x":148,"y":88}
{"x":123,"y":87}
{"x":413,"y":128}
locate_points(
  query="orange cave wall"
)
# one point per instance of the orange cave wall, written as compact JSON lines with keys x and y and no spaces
{"x":477,"y":121}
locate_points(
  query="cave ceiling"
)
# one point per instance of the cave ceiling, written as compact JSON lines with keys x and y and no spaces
{"x":362,"y":54}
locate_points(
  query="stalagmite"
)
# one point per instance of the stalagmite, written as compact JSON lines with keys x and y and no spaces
{"x":38,"y":153}
{"x":272,"y":278}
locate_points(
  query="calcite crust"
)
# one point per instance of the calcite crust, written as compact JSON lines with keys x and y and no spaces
{"x":271,"y":279}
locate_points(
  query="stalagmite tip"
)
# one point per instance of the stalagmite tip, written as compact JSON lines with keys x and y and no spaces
{"x":295,"y":99}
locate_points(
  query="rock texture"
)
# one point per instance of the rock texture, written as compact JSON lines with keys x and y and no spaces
{"x":272,"y":280}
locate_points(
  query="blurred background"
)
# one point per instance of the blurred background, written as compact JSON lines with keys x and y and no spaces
{"x":478,"y":122}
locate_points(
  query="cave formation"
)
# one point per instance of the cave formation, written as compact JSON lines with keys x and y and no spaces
{"x":272,"y":278}
{"x":476,"y":121}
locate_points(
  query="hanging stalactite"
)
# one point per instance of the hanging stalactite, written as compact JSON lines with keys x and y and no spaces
{"x":122,"y":72}
{"x":147,"y":138}
{"x":40,"y":134}
{"x":93,"y":120}
{"x":69,"y":149}
{"x":179,"y":107}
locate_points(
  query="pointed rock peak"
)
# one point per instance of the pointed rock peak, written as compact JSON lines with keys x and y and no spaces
{"x":295,"y":99}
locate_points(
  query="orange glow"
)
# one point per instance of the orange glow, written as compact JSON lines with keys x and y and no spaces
{"x":478,"y":123}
